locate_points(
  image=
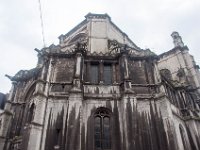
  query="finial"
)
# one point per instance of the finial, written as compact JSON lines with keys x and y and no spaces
{"x":177,"y":39}
{"x":37,"y":50}
{"x":61,"y":38}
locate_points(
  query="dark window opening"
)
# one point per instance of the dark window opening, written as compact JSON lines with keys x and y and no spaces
{"x":100,"y":72}
{"x":102,"y":130}
{"x":0,"y":123}
{"x":107,"y":74}
{"x":94,"y":73}
{"x":2,"y":100}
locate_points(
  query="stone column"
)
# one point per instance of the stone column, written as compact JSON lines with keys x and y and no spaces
{"x":36,"y":128}
{"x":44,"y":104}
{"x":43,"y":64}
{"x":75,"y":101}
{"x":125,"y":66}
{"x":101,"y":72}
{"x":79,"y":61}
{"x":125,"y":72}
{"x":11,"y":97}
{"x":12,"y":91}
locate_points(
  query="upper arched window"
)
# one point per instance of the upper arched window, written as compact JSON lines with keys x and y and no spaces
{"x":31,"y":113}
{"x":102,"y":129}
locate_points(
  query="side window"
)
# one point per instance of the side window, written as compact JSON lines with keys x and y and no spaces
{"x":94,"y":73}
{"x":107,"y":74}
{"x":102,"y":129}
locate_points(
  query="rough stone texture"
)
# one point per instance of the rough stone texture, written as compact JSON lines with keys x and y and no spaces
{"x":152,"y":101}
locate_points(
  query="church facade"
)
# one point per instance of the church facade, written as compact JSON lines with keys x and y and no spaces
{"x":97,"y":90}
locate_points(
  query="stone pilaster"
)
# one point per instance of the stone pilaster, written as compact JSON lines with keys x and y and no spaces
{"x":79,"y":61}
{"x":124,"y":65}
{"x":114,"y":76}
{"x":6,"y":118}
{"x":129,"y":102}
{"x":125,"y":72}
{"x":36,"y":127}
{"x":78,"y":72}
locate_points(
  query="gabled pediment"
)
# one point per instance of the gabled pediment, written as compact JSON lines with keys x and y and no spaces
{"x":96,"y":30}
{"x":74,"y":35}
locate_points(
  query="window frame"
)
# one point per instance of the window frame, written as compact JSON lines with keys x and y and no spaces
{"x":101,"y":65}
{"x":92,"y":64}
{"x":98,"y":114}
{"x":110,"y":82}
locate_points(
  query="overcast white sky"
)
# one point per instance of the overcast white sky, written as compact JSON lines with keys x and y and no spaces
{"x":149,"y":23}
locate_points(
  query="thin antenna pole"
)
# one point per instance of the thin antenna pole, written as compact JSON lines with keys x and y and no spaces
{"x":42,"y":24}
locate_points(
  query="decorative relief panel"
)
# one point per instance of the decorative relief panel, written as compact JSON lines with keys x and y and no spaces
{"x":64,"y":70}
{"x":61,"y":88}
{"x":115,"y":48}
{"x":137,"y":72}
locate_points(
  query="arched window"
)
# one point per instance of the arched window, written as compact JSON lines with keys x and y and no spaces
{"x":31,"y":113}
{"x":102,"y":129}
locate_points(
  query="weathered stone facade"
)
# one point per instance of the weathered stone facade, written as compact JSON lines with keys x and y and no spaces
{"x":96,"y":90}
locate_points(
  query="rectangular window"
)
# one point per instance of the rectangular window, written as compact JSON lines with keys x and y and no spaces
{"x":94,"y":73}
{"x":107,"y":74}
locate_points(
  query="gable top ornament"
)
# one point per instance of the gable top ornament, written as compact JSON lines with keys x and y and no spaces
{"x":177,"y":39}
{"x":97,"y":16}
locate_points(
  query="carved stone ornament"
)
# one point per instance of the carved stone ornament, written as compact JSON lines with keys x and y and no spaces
{"x":166,"y":73}
{"x":81,"y":47}
{"x":69,"y":49}
{"x":181,"y":73}
{"x":115,"y":48}
{"x":24,"y":75}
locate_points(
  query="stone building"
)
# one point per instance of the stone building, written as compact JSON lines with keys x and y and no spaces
{"x":97,"y":90}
